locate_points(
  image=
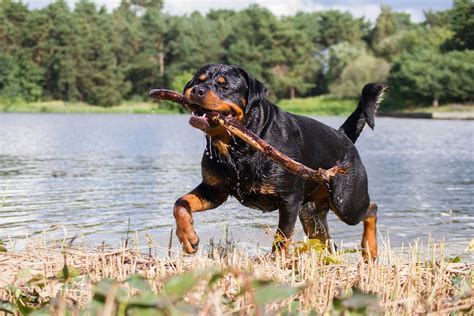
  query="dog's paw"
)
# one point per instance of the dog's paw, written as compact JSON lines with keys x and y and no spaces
{"x":188,"y":239}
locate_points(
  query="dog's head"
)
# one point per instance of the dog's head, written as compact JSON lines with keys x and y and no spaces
{"x":224,"y":88}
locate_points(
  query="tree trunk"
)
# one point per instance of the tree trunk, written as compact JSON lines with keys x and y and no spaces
{"x":292,"y":92}
{"x":436,"y":102}
{"x":162,"y":59}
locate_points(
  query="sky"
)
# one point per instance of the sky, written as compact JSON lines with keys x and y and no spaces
{"x":359,"y":8}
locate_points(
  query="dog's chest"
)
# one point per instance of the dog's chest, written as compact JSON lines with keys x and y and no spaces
{"x":252,"y":186}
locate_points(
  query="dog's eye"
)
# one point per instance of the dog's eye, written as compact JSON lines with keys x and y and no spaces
{"x":222,"y":83}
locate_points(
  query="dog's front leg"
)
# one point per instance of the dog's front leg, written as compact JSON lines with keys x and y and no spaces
{"x":202,"y":198}
{"x":288,"y":214}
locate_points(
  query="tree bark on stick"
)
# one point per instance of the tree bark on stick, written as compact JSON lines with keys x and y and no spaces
{"x":319,"y":176}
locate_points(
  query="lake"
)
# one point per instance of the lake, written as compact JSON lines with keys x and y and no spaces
{"x":95,"y":174}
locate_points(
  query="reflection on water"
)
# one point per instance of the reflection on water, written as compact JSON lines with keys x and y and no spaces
{"x":94,"y":173}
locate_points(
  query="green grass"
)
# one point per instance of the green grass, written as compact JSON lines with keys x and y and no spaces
{"x":320,"y":105}
{"x":79,"y":107}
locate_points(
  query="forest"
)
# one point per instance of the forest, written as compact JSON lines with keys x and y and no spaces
{"x":102,"y":57}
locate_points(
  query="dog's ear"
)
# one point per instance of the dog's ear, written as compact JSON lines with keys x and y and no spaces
{"x":257,"y":91}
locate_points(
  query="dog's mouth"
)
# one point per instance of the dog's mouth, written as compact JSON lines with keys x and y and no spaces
{"x":200,"y":117}
{"x":206,"y":101}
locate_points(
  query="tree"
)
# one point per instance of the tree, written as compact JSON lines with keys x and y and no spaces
{"x":338,"y":27}
{"x":294,"y":67}
{"x":20,"y":76}
{"x":463,"y":23}
{"x":437,"y":18}
{"x":60,"y":53}
{"x":364,"y":69}
{"x":191,"y":42}
{"x":99,"y":80}
{"x":417,"y":37}
{"x":251,"y":44}
{"x":428,"y":75}
{"x":337,"y":57}
{"x":388,"y":24}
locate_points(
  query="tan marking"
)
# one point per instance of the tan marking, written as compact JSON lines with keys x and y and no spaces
{"x":182,"y":211}
{"x":369,"y":237}
{"x":266,"y":189}
{"x":191,"y":202}
{"x":222,"y":147}
{"x":202,"y":77}
{"x":187,"y":94}
{"x":220,"y":139}
{"x":244,"y":102}
{"x":214,"y":103}
{"x":221,"y":80}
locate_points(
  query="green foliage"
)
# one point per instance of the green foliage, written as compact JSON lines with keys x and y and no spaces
{"x":463,"y":23}
{"x":356,"y":74}
{"x":169,"y":301}
{"x":179,"y":81}
{"x":437,"y":18}
{"x":178,"y":285}
{"x":388,"y":23}
{"x":19,"y":77}
{"x":341,"y":27}
{"x":273,"y":292}
{"x":356,"y":302}
{"x":3,"y":247}
{"x":430,"y":76}
{"x":410,"y":40}
{"x":321,"y":105}
{"x":337,"y":58}
{"x":86,"y":54}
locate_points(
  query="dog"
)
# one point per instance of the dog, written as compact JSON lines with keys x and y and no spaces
{"x":231,"y":167}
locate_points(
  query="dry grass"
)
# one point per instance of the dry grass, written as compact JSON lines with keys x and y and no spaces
{"x":418,"y":279}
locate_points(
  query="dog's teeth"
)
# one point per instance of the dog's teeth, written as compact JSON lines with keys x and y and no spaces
{"x":204,"y":115}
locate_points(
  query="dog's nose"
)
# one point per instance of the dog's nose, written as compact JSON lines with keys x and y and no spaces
{"x":198,"y":92}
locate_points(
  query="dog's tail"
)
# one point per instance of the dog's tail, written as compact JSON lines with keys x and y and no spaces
{"x":370,"y":99}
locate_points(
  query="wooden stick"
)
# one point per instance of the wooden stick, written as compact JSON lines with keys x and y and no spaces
{"x":319,"y":176}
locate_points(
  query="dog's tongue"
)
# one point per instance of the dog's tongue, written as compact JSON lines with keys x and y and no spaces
{"x":199,"y":122}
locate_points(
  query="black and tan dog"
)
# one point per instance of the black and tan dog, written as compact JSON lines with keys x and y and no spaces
{"x":231,"y":167}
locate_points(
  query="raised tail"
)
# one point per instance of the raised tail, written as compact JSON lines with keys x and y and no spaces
{"x":370,"y":99}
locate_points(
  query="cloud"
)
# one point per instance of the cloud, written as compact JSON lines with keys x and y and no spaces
{"x":369,"y":9}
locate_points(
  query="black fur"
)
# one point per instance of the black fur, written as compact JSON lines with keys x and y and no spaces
{"x":365,"y":111}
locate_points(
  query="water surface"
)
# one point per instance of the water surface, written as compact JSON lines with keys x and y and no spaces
{"x":95,"y":173}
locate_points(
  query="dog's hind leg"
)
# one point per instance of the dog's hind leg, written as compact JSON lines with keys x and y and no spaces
{"x":313,"y":215}
{"x":314,"y":222}
{"x":369,"y":237}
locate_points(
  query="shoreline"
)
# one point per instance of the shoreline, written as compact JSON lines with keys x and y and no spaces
{"x":316,"y":106}
{"x":460,"y":115}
